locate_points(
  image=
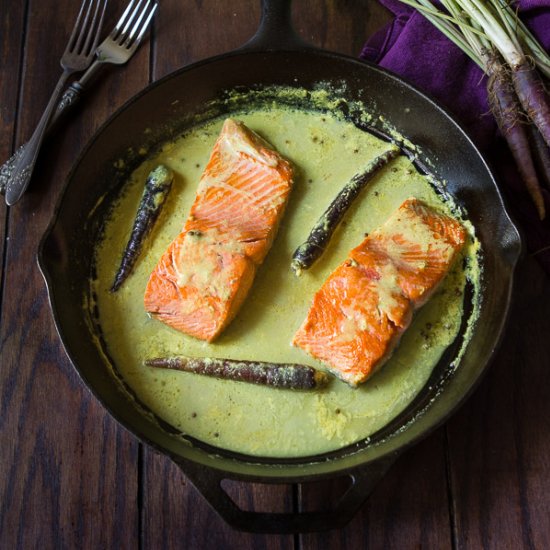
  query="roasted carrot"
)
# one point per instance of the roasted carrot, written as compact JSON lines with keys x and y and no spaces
{"x":157,"y":187}
{"x":279,"y":375}
{"x":308,"y":252}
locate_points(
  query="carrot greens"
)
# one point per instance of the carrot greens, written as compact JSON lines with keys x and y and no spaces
{"x":492,"y":35}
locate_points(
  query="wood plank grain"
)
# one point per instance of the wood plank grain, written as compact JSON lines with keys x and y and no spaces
{"x":68,"y":472}
{"x":341,"y":26}
{"x":12,"y":25}
{"x":407,"y":509}
{"x":191,"y":31}
{"x":175,"y":515}
{"x":500,"y":441}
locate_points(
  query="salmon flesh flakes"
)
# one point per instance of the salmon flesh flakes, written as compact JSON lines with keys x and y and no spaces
{"x":359,"y":314}
{"x":205,"y":274}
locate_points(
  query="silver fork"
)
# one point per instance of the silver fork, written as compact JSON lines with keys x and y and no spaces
{"x":117,"y":49}
{"x":77,"y":57}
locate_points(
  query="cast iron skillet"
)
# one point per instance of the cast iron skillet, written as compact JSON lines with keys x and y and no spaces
{"x":276,"y":56}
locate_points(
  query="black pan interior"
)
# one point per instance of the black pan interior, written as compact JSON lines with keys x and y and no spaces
{"x":163,"y":111}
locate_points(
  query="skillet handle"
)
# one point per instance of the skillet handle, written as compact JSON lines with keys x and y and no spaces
{"x":208,"y":482}
{"x":275,"y":31}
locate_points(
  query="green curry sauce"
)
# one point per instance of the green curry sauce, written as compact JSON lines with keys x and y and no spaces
{"x":326,"y":152}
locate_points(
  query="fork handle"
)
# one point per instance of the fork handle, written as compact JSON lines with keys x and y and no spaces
{"x":68,"y":100}
{"x":72,"y":94}
{"x":25,"y":160}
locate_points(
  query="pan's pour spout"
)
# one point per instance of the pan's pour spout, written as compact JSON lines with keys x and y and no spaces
{"x":275,"y":31}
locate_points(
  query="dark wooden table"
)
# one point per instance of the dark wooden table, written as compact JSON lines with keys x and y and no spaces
{"x":70,"y":477}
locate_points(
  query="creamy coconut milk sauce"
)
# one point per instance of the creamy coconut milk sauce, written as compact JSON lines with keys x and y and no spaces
{"x":255,"y":420}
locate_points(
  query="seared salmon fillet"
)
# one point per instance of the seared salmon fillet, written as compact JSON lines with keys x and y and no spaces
{"x":360,"y":312}
{"x":205,"y":274}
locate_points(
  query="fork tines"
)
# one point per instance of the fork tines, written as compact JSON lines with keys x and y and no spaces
{"x":81,"y":42}
{"x":130,"y":30}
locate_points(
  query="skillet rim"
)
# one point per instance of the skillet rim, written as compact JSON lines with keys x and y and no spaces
{"x":264,"y":470}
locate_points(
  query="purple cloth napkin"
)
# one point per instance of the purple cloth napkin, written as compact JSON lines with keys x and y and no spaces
{"x":414,"y":49}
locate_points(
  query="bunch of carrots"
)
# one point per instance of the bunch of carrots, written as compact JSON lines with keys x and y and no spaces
{"x":493,"y":36}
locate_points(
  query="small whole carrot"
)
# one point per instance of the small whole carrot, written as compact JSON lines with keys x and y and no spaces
{"x":308,"y":252}
{"x":157,"y":187}
{"x":541,"y":154}
{"x":279,"y":375}
{"x":508,"y":115}
{"x":533,"y":96}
